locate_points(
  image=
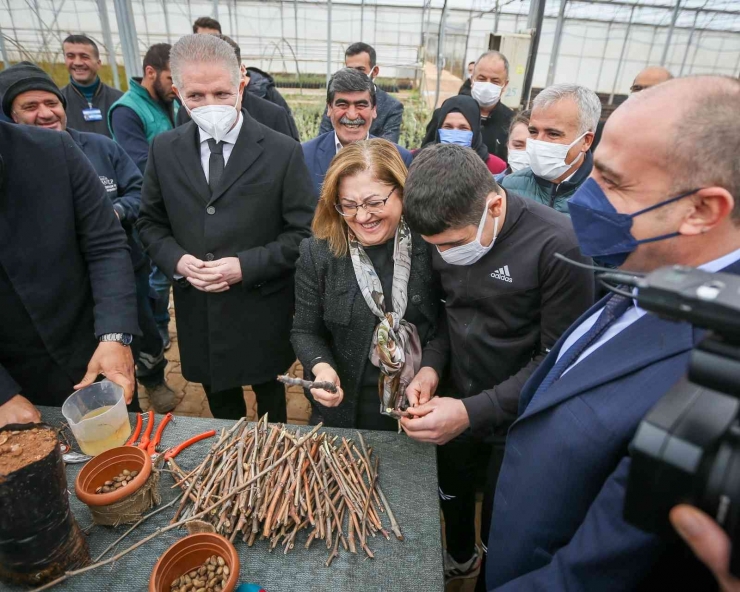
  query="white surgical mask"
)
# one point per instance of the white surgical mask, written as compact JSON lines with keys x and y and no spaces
{"x":486,"y":93}
{"x":215,"y":120}
{"x":518,"y":160}
{"x":471,"y":252}
{"x":547,"y":159}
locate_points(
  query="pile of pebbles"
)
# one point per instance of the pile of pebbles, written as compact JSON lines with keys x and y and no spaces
{"x":209,"y":577}
{"x":121,"y":480}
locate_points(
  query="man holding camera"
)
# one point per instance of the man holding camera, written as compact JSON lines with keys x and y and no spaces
{"x":653,"y":199}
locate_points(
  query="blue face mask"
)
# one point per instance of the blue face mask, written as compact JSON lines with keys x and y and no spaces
{"x":452,"y":136}
{"x":603,"y":233}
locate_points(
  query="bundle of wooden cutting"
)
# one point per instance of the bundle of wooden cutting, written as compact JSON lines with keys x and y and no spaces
{"x":328,"y":487}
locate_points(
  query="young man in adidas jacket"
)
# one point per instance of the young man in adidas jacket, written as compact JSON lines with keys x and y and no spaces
{"x":507,"y":300}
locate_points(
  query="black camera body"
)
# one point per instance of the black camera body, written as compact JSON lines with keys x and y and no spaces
{"x":687,"y":448}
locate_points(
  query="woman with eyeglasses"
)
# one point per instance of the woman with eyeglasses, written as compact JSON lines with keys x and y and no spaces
{"x":367,"y":299}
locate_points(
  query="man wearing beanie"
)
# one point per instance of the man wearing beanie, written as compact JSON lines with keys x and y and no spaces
{"x":30,"y":97}
{"x":88,"y":98}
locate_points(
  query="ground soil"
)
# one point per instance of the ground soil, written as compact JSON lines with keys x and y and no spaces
{"x":21,"y":448}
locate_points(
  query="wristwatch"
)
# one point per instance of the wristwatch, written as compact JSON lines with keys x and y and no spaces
{"x":124,"y":339}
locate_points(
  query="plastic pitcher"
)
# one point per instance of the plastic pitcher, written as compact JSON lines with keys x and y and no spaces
{"x":97,"y":417}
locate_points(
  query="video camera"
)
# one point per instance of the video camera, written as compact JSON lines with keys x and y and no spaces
{"x":687,"y":448}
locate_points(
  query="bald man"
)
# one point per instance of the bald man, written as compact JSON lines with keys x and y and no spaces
{"x":650,"y":76}
{"x":557,"y":518}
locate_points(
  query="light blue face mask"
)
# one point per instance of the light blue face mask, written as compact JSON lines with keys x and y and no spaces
{"x":454,"y":136}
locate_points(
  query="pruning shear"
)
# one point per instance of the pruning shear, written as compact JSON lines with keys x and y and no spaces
{"x":147,"y":443}
{"x":175,"y":450}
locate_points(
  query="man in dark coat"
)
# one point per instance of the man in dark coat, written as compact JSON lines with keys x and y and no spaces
{"x":351,"y":104}
{"x":261,"y":84}
{"x":225,"y":205}
{"x":67,"y":294}
{"x":88,"y":98}
{"x":387,"y":123}
{"x":122,"y":181}
{"x":261,"y":110}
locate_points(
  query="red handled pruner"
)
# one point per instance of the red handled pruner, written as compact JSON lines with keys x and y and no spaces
{"x":137,"y":430}
{"x":174,"y":451}
{"x":152,"y":446}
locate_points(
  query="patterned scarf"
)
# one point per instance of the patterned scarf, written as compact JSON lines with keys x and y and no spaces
{"x":396,"y":348}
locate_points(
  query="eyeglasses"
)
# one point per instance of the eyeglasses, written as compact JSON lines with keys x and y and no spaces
{"x":373,"y":206}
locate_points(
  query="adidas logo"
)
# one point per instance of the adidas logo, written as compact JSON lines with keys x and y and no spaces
{"x":502,"y":273}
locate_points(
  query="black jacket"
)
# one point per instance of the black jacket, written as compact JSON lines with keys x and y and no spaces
{"x":62,"y":249}
{"x":505,"y":312}
{"x":495,"y":129}
{"x":334,"y":323}
{"x":262,"y":85}
{"x":260,"y":213}
{"x":122,"y":181}
{"x":104,"y":97}
{"x":261,"y":110}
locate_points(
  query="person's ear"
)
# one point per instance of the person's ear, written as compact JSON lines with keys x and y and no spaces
{"x":711,"y":207}
{"x":496,"y":205}
{"x":150,"y":73}
{"x":588,"y":139}
{"x":375,"y":111}
{"x":328,"y":110}
{"x":375,"y":72}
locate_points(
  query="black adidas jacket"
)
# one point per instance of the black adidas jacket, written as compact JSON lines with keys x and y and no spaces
{"x":504,"y":312}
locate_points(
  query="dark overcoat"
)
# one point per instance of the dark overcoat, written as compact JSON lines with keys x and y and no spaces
{"x":334,"y":324}
{"x":260,"y":212}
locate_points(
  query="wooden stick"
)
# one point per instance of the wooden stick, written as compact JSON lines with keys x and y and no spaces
{"x":329,"y":387}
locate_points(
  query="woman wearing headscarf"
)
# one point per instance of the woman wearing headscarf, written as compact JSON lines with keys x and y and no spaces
{"x":367,"y":298}
{"x":458,"y":122}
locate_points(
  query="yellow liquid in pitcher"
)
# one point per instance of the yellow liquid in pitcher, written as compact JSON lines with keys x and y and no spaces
{"x":114,"y":435}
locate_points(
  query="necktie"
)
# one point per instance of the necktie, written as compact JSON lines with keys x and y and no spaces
{"x":215,"y":163}
{"x":614,"y":308}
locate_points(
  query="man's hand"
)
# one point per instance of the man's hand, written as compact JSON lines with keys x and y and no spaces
{"x":194,"y":270}
{"x":116,"y":363}
{"x":708,"y":541}
{"x":229,"y":268}
{"x":423,"y":386}
{"x":18,"y":410}
{"x":324,"y":372}
{"x":438,"y":421}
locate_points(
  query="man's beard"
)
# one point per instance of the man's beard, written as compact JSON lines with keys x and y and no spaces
{"x":160,"y":92}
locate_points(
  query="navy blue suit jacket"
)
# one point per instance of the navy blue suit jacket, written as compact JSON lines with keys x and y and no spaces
{"x":557,"y":518}
{"x":319,"y":152}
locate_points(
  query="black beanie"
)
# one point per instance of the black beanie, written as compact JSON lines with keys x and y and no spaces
{"x":22,"y":77}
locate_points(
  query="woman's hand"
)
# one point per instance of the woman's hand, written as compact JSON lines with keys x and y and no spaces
{"x":324,"y":372}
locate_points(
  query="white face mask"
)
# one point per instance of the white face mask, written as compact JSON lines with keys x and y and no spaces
{"x":215,"y":120}
{"x":547,"y":159}
{"x":471,"y":252}
{"x":486,"y":93}
{"x":518,"y":160}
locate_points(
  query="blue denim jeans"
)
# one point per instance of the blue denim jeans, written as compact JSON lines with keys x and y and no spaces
{"x":161,"y":285}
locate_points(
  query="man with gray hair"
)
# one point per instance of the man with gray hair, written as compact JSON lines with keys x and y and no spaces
{"x":225,"y":204}
{"x":561,"y":131}
{"x":352,"y":107}
{"x":487,"y":86}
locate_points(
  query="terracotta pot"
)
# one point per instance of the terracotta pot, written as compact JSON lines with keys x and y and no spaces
{"x":107,"y":465}
{"x":190,"y":553}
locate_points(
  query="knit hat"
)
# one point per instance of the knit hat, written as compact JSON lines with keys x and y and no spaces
{"x":22,"y":77}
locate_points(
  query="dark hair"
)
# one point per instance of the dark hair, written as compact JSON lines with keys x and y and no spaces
{"x":235,"y":45}
{"x":158,"y":57}
{"x":360,"y":47}
{"x":83,"y":40}
{"x":473,"y":62}
{"x":349,"y":80}
{"x":446,"y":187}
{"x":206,"y":22}
{"x":521,"y":117}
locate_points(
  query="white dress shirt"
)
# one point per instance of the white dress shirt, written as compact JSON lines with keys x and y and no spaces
{"x":338,"y":145}
{"x":634,"y":313}
{"x":229,"y":140}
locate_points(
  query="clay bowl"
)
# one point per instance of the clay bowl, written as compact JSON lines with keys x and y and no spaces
{"x":190,"y":553}
{"x":107,"y":465}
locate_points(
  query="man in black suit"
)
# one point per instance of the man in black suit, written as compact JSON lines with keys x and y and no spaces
{"x":225,"y":204}
{"x":261,"y":110}
{"x":67,"y":291}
